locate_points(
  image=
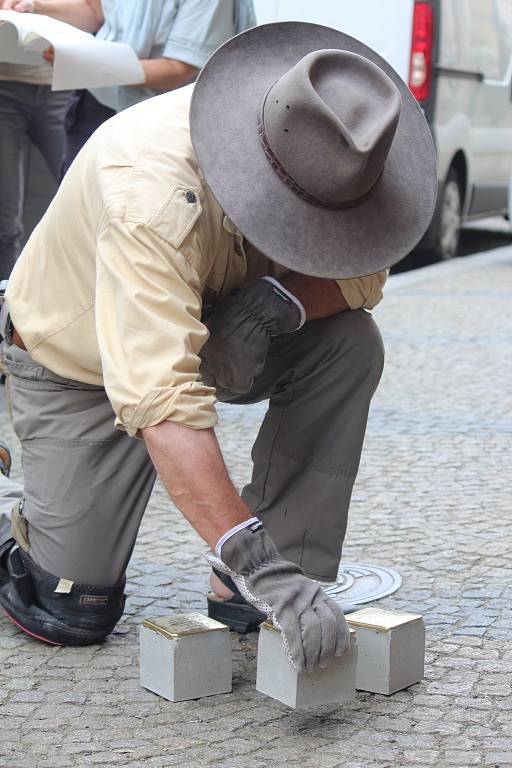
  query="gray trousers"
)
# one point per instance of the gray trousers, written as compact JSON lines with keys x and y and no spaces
{"x":28,"y":113}
{"x":10,"y":493}
{"x":87,"y":484}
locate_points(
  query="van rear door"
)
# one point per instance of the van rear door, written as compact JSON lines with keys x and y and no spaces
{"x":473,"y":109}
{"x":384,"y":26}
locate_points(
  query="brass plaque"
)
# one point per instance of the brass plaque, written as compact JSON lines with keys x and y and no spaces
{"x":380,"y":619}
{"x":183,"y":624}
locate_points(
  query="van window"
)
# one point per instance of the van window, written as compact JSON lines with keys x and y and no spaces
{"x":476,"y":35}
{"x":491,"y":37}
{"x":504,"y":24}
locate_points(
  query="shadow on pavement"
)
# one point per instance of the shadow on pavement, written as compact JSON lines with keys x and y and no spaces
{"x":484,"y":236}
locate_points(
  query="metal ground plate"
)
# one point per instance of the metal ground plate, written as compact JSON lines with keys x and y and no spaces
{"x":359,"y":583}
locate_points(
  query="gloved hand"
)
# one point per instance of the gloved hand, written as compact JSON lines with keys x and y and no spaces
{"x":240,"y":332}
{"x":312,"y":626}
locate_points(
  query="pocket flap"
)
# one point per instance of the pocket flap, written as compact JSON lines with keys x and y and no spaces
{"x":177,"y":215}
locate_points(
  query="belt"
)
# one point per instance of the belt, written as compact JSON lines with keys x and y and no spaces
{"x":7,"y":329}
{"x":16,"y":339}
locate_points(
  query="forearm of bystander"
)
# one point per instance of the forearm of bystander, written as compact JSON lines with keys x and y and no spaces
{"x":84,"y":14}
{"x":167,"y":74}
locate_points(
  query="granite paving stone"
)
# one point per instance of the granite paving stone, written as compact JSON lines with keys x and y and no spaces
{"x":432,"y":500}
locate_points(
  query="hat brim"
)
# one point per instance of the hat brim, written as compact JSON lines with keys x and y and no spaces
{"x":341,"y":243}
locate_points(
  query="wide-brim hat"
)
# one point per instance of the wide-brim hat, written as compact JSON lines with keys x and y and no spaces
{"x":359,"y":221}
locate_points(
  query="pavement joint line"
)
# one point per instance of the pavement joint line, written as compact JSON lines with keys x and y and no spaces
{"x":431,"y":499}
{"x":449,"y":268}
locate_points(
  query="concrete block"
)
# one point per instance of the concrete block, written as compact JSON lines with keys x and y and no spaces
{"x":278,"y":679}
{"x":391,"y":649}
{"x":185,"y":656}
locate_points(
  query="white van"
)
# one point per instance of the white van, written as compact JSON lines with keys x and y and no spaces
{"x":456,"y":56}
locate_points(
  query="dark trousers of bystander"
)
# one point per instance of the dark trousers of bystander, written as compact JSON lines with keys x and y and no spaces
{"x":84,"y":115}
{"x":29,"y":113}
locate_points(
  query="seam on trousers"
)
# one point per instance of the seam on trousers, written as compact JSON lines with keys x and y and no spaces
{"x":73,"y":441}
{"x":352,"y":472}
{"x":269,"y":461}
{"x":303,"y":546}
{"x":320,"y":577}
{"x":8,"y":398}
{"x":40,"y":384}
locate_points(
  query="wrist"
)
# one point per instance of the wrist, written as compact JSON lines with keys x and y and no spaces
{"x":254,"y":523}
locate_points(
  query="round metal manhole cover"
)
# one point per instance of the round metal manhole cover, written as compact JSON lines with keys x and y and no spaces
{"x":363,"y":583}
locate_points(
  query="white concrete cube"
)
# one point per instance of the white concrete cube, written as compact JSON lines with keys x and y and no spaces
{"x":391,"y":649}
{"x":185,"y":656}
{"x":278,"y":679}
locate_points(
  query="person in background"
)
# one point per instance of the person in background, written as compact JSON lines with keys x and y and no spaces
{"x":172,"y":38}
{"x":29,"y":112}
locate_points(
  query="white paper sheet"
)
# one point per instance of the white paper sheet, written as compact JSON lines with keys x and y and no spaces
{"x":81,"y":61}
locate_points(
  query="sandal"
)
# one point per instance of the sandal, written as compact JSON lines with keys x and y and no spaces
{"x":5,"y":459}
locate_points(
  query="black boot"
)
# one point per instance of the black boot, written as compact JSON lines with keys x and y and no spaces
{"x":77,"y":615}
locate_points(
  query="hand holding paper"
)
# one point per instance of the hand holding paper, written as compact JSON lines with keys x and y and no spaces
{"x":79,"y":60}
{"x":20,"y":6}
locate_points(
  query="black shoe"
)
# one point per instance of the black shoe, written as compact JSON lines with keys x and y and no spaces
{"x":83,"y":615}
{"x":236,"y":613}
{"x":239,"y":615}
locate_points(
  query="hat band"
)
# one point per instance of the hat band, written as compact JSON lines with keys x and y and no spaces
{"x":290,"y":182}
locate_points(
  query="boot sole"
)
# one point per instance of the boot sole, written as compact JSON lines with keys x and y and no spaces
{"x":238,"y":617}
{"x":28,"y":632}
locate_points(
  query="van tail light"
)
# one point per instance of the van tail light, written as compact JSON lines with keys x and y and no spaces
{"x":420,"y":73}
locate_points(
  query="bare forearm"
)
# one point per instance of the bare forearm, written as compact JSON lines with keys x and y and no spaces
{"x":319,"y":297}
{"x":84,"y":14}
{"x":191,"y":466}
{"x":166,"y":74}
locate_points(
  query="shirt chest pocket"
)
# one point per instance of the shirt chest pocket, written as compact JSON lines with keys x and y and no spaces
{"x":178,"y":214}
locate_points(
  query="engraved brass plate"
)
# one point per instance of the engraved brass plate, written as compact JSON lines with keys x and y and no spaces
{"x":381,"y":619}
{"x":183,"y":624}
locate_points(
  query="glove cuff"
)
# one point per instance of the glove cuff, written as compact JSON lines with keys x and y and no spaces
{"x":291,"y":297}
{"x":253,"y":523}
{"x":248,"y":549}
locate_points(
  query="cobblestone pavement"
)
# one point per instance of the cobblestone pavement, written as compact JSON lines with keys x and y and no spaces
{"x":432,"y":500}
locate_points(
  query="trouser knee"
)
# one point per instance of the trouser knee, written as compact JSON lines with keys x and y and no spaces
{"x":54,"y":609}
{"x":355,"y":341}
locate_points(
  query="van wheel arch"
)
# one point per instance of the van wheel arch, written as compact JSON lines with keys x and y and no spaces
{"x":442,"y":236}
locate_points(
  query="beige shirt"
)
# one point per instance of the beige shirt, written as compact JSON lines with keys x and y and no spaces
{"x":109,"y":288}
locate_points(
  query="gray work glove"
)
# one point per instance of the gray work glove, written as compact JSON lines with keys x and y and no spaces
{"x":312,"y":626}
{"x":241,"y":328}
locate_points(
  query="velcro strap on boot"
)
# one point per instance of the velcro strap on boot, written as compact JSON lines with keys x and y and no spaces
{"x":20,"y":578}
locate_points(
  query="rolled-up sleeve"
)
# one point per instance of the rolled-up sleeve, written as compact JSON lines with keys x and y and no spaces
{"x":199,"y":27}
{"x":364,"y":292}
{"x":148,"y":309}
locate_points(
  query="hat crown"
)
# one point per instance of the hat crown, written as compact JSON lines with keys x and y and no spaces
{"x":328,"y":124}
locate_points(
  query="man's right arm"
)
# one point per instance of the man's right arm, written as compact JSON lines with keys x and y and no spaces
{"x":84,"y":14}
{"x":148,"y":310}
{"x":190,"y":464}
